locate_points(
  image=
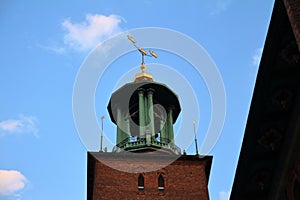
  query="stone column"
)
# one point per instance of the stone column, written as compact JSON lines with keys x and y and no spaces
{"x":123,"y":127}
{"x":141,"y":113}
{"x":119,"y":126}
{"x":150,"y":111}
{"x":146,"y":112}
{"x":166,"y":129}
{"x":127,"y":125}
{"x":170,"y":125}
{"x":162,"y":128}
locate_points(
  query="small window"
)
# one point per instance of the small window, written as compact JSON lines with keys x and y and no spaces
{"x":141,"y":182}
{"x":161,"y":183}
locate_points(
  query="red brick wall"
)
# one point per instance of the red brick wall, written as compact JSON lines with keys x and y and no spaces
{"x":186,"y":178}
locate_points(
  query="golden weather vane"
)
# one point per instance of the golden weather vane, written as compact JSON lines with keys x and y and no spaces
{"x":143,"y":52}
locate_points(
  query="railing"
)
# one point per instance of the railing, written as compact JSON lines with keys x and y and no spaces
{"x":163,"y":140}
{"x":136,"y":142}
{"x":123,"y":143}
{"x":175,"y":148}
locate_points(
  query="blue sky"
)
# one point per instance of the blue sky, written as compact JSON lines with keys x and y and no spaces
{"x":43,"y":45}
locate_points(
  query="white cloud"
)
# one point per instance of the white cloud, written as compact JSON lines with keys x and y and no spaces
{"x":11,"y":182}
{"x":224,"y":195}
{"x":53,"y":48}
{"x":23,"y":124}
{"x":220,"y":6}
{"x":257,"y":56}
{"x":87,"y":34}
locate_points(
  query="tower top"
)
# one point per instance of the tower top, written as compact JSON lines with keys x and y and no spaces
{"x":143,"y":76}
{"x":144,"y":112}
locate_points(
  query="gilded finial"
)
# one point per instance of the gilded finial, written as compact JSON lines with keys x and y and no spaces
{"x":143,"y":67}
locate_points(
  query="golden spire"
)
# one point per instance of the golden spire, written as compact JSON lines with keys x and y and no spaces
{"x":143,"y":76}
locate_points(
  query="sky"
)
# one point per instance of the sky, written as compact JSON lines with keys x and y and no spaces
{"x":43,"y":47}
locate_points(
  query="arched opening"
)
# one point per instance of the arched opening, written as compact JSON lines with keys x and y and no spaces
{"x":141,"y":182}
{"x":161,"y":183}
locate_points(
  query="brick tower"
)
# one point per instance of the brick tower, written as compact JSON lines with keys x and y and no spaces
{"x":145,"y":162}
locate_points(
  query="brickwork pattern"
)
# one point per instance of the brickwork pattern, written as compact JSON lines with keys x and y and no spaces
{"x":186,"y":178}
